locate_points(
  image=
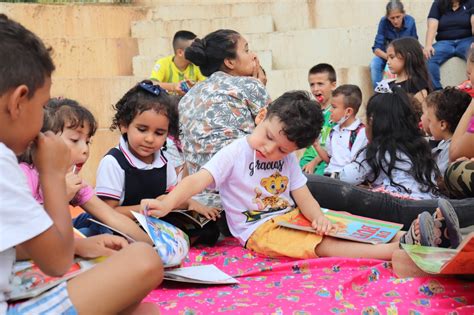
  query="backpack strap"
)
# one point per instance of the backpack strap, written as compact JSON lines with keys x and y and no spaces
{"x":353,"y":136}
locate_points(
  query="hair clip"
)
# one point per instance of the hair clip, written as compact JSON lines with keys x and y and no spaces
{"x":153,"y":89}
{"x":384,"y":86}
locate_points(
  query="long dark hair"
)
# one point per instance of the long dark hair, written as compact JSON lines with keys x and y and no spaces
{"x":394,"y":128}
{"x":209,"y":53}
{"x":415,"y":65}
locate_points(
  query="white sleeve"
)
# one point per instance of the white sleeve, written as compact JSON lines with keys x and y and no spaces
{"x":171,"y":177}
{"x":221,"y":165}
{"x":110,"y":181}
{"x":297,"y":179}
{"x":22,"y":217}
{"x":355,"y":172}
{"x":359,"y":143}
{"x":328,"y":146}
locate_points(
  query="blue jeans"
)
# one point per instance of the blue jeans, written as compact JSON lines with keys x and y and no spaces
{"x":377,"y":65}
{"x":445,"y":50}
{"x":89,"y":228}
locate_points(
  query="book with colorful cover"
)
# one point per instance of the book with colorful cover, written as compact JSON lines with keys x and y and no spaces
{"x":445,"y":261}
{"x":350,"y":227}
{"x":29,"y":281}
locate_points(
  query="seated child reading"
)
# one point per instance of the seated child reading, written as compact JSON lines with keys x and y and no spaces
{"x":347,"y":137}
{"x":255,"y":176}
{"x":76,"y":125}
{"x":44,"y":233}
{"x":138,"y":167}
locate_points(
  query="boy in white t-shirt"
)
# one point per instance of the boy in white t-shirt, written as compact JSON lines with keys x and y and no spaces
{"x":44,"y":234}
{"x":348,"y":136}
{"x":260,"y":183}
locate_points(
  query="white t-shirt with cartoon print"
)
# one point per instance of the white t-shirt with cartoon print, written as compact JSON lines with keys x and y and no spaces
{"x":253,"y":190}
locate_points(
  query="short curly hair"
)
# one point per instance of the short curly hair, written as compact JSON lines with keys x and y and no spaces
{"x":450,"y":104}
{"x":301,"y":116}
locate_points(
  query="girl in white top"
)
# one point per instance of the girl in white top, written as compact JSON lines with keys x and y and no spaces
{"x":397,"y":158}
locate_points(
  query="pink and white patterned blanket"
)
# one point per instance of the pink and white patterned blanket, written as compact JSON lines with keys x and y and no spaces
{"x":314,"y":286}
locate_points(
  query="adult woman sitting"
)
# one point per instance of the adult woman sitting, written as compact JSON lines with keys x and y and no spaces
{"x":222,"y":108}
{"x":452,"y":23}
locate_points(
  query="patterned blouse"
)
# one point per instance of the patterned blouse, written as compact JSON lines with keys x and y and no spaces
{"x":217,"y":111}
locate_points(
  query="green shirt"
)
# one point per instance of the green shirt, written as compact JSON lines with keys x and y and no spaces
{"x":310,"y":152}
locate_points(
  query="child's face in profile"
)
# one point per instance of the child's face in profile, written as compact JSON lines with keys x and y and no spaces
{"x":146,"y":134}
{"x":246,"y":60}
{"x":78,"y":141}
{"x":269,"y":140}
{"x":30,"y":119}
{"x":436,"y":127}
{"x":395,"y":62}
{"x":321,"y":88}
{"x":338,"y":109}
{"x":425,"y":123}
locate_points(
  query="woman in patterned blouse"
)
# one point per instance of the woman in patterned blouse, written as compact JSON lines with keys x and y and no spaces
{"x":222,"y":108}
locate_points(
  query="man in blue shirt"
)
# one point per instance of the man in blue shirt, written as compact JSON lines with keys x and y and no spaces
{"x":395,"y":24}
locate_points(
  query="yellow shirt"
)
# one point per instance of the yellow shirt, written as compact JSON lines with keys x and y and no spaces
{"x":165,"y":70}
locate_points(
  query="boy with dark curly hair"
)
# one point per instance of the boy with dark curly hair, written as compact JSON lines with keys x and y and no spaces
{"x":442,"y":110}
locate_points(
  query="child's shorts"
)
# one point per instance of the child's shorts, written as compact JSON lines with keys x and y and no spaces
{"x":54,"y":301}
{"x":273,"y":240}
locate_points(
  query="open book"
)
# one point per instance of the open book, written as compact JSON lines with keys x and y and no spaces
{"x":29,"y":281}
{"x":445,"y":261}
{"x":350,"y":227}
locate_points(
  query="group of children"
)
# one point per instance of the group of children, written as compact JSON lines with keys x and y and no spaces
{"x":51,"y":139}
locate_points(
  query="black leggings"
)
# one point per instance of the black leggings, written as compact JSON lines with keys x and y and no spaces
{"x":338,"y":195}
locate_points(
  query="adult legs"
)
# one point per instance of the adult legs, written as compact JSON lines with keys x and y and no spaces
{"x":376,"y":70}
{"x":462,"y":47}
{"x":337,"y":195}
{"x":444,"y":50}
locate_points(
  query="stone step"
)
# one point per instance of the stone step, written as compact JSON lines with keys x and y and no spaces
{"x":341,"y":47}
{"x":76,"y":21}
{"x":93,"y":57}
{"x":142,"y":65}
{"x":162,"y":28}
{"x":304,"y":13}
{"x":98,"y":94}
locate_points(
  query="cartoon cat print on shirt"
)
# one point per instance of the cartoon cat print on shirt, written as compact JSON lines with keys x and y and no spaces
{"x":275,"y":184}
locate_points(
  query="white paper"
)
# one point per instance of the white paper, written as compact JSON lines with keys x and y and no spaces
{"x":204,"y":274}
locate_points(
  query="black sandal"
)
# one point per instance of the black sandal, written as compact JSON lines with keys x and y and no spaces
{"x":427,"y":235}
{"x":446,"y":219}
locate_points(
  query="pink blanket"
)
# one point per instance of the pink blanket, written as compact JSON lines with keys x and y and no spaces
{"x":315,"y":286}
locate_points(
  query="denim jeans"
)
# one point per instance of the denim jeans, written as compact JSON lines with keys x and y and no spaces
{"x":89,"y":228}
{"x":338,"y":195}
{"x":377,"y":65}
{"x":445,"y":50}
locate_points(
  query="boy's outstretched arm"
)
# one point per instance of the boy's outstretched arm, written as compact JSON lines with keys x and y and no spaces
{"x":188,"y":187}
{"x":310,"y":208}
{"x":53,"y":250}
{"x":321,"y":151}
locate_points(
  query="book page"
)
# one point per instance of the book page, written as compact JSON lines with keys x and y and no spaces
{"x":200,"y":274}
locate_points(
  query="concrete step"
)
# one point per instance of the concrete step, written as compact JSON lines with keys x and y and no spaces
{"x":162,"y":28}
{"x":155,"y":46}
{"x":93,"y":57}
{"x":98,"y":94}
{"x":76,"y":21}
{"x":142,"y":65}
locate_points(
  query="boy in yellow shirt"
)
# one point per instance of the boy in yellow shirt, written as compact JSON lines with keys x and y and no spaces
{"x":175,"y":73}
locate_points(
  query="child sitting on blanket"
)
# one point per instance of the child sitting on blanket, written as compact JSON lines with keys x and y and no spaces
{"x":258,"y":178}
{"x":76,"y":125}
{"x":138,"y":167}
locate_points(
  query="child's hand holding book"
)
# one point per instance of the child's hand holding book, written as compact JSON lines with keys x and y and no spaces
{"x":321,"y":224}
{"x":155,"y":208}
{"x":210,"y":213}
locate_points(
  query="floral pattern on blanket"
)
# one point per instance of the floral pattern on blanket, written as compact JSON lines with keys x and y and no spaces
{"x":315,"y":286}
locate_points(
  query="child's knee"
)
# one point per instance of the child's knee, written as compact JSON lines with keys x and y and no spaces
{"x":146,"y":261}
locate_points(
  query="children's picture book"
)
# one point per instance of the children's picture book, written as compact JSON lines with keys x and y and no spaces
{"x":444,"y":261}
{"x":350,"y":227}
{"x":204,"y":274}
{"x":29,"y":281}
{"x":171,"y":243}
